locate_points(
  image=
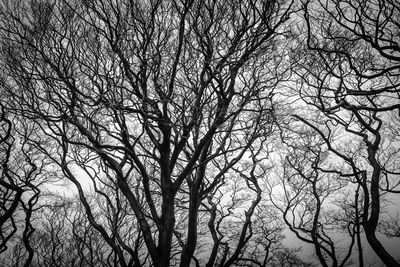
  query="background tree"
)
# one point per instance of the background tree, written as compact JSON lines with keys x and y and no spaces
{"x":23,"y":174}
{"x":349,"y":72}
{"x":315,"y":199}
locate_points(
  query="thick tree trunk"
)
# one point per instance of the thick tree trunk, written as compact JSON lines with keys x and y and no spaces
{"x":379,"y":249}
{"x":165,"y":228}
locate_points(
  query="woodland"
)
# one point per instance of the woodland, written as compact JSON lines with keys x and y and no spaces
{"x":199,"y":133}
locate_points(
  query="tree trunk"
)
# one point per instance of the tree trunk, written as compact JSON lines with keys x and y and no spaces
{"x":191,"y":240}
{"x":165,"y":228}
{"x":371,"y":224}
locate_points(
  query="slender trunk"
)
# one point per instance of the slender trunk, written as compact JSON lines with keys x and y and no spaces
{"x":244,"y":236}
{"x":358,"y":231}
{"x":213,"y":255}
{"x":314,"y":229}
{"x":191,"y":239}
{"x":211,"y":227}
{"x":28,"y":231}
{"x":194,"y":204}
{"x":371,"y":224}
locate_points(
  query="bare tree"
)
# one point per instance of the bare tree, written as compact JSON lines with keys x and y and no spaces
{"x":313,"y":197}
{"x":165,"y":117}
{"x":350,"y":72}
{"x":10,"y":193}
{"x":155,"y":101}
{"x":22,"y":176}
{"x":66,"y":238}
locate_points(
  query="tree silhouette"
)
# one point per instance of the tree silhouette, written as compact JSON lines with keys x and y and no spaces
{"x":349,"y":72}
{"x":197,"y":132}
{"x":155,"y":102}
